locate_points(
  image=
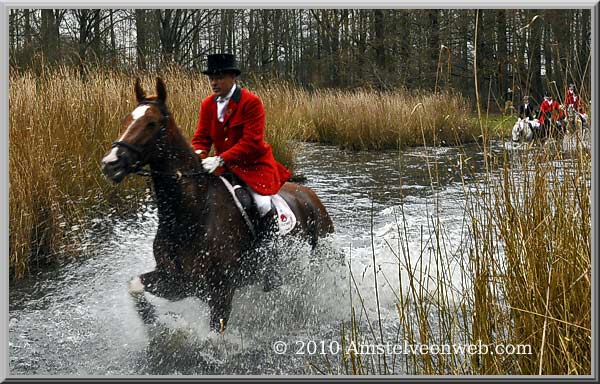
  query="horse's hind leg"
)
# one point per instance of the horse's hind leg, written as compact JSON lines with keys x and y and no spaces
{"x":221,"y":293}
{"x":272,"y":279}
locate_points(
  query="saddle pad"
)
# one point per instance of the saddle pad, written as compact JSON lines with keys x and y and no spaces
{"x":285,"y":216}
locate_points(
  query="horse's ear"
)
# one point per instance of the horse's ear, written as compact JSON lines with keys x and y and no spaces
{"x":161,"y":90}
{"x":140,"y":95}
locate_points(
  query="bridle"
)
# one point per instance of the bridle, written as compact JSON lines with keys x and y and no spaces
{"x":163,"y":126}
{"x":137,"y":167}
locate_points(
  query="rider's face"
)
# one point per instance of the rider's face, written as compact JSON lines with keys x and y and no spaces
{"x":221,"y":84}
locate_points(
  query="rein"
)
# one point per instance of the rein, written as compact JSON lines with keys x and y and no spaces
{"x":162,"y":131}
{"x":177,"y":175}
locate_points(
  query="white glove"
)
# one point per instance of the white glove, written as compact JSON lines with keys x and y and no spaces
{"x":211,"y":163}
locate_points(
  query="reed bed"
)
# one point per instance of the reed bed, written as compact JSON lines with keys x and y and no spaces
{"x":365,"y":119}
{"x":59,"y":130}
{"x":519,"y":277}
{"x":543,"y":218}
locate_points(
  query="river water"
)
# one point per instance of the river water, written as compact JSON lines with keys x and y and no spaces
{"x":80,"y":320}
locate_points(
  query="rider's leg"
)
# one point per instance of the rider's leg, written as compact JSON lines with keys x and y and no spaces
{"x":263,"y":203}
{"x":267,"y":225}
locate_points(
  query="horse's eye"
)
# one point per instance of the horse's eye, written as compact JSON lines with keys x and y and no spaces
{"x":151,"y":124}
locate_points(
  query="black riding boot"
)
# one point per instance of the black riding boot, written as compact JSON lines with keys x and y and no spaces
{"x":267,"y":225}
{"x":268,"y":229}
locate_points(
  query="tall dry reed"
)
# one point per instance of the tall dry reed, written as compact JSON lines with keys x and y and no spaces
{"x":519,"y":277}
{"x":365,"y":119}
{"x":60,"y":127}
{"x":543,"y":218}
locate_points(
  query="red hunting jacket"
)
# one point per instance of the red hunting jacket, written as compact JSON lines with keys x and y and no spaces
{"x":571,"y":98}
{"x":239,"y":140}
{"x":553,"y":107}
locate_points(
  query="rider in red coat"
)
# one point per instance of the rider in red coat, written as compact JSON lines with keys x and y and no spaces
{"x":233,"y":119}
{"x":552,"y":106}
{"x":572,"y":98}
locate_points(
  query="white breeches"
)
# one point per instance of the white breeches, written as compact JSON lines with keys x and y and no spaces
{"x":263,"y":203}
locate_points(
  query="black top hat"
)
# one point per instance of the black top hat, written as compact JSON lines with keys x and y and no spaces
{"x":220,"y":63}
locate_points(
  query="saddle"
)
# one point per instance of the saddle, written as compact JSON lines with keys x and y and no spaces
{"x":280,"y":217}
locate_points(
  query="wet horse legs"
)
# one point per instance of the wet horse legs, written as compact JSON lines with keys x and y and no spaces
{"x":158,"y":283}
{"x":220,"y":296}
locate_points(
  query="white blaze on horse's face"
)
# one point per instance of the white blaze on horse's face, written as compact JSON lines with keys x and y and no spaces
{"x":111,"y":157}
{"x":135,"y":114}
{"x":139,"y":111}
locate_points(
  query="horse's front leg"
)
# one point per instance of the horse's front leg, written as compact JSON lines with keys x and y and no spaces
{"x":159,"y":283}
{"x":144,"y":308}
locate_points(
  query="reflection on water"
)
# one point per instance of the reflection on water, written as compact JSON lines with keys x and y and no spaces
{"x":80,"y":319}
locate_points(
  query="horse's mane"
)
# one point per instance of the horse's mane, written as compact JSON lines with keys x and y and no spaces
{"x":173,"y":129}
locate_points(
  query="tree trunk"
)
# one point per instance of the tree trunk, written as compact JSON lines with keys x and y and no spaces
{"x":503,"y":76}
{"x":535,"y":61}
{"x":49,"y":36}
{"x":547,"y":44}
{"x":141,"y":38}
{"x":434,"y":44}
{"x":84,"y":19}
{"x":379,"y":39}
{"x":96,"y":42}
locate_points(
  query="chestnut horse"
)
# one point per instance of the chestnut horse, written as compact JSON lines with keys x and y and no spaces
{"x":203,"y":246}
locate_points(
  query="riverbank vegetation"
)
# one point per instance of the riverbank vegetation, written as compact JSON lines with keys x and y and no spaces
{"x":517,"y":278}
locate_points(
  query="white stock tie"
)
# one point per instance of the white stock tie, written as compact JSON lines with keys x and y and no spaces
{"x":221,"y":105}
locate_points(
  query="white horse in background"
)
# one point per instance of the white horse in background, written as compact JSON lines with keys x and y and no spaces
{"x":578,"y":136}
{"x":524,"y":130}
{"x":576,"y":121}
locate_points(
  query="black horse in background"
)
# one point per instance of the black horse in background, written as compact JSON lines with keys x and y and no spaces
{"x":203,"y":246}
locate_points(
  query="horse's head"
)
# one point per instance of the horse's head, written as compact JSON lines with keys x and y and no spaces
{"x":140,"y":134}
{"x":518,"y":130}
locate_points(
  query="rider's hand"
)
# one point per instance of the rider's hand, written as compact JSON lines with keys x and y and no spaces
{"x":203,"y":155}
{"x":210,"y":164}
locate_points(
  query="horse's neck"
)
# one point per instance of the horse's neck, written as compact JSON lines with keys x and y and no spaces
{"x":179,"y":183}
{"x":175,"y":154}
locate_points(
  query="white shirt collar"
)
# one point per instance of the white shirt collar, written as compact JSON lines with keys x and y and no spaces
{"x":226,"y":98}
